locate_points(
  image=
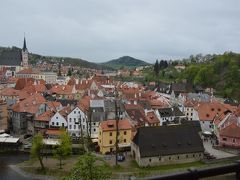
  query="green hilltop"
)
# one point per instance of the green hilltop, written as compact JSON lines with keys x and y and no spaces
{"x":125,"y":62}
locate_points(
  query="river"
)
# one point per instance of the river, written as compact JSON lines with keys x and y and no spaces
{"x":6,"y":172}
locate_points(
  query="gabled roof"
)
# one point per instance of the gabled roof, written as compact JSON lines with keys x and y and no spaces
{"x":168,"y":112}
{"x":46,"y":116}
{"x":30,"y":104}
{"x":233,"y":131}
{"x":168,"y":140}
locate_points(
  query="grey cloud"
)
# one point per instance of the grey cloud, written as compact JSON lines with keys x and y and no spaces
{"x":102,"y":30}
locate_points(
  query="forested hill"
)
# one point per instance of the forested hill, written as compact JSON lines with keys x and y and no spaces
{"x":67,"y":60}
{"x":33,"y":58}
{"x":125,"y":62}
{"x":221,"y":72}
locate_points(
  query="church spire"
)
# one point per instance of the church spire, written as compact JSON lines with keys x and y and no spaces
{"x":24,"y":44}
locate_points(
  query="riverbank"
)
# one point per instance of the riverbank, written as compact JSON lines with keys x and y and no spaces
{"x":27,"y":175}
{"x":124,"y":170}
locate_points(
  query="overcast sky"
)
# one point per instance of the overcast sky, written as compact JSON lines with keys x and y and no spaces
{"x":100,"y":30}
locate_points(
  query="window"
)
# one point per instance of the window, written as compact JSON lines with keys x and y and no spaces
{"x":70,"y":126}
{"x":94,"y":124}
{"x":53,"y":123}
{"x":110,"y":134}
{"x":57,"y":123}
{"x":70,"y":119}
{"x":234,"y":140}
{"x":62,"y":124}
{"x":94,"y":130}
{"x":186,"y":156}
{"x":193,"y":155}
{"x":178,"y":157}
{"x":125,"y":140}
{"x":150,"y":160}
{"x":160,"y":158}
{"x":191,"y":114}
{"x":74,"y":112}
{"x":125,"y":132}
{"x":200,"y":155}
{"x":74,"y":127}
{"x":56,"y":117}
{"x":78,"y":112}
{"x":74,"y":119}
{"x":169,"y":158}
{"x":110,"y":142}
{"x":224,"y":139}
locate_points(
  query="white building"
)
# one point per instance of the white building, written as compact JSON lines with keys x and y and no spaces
{"x":77,"y":122}
{"x":49,"y":77}
{"x":58,"y":121}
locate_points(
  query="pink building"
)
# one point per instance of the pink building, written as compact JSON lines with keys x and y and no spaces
{"x":230,"y":136}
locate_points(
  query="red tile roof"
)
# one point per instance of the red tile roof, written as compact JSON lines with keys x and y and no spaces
{"x":9,"y":92}
{"x":30,"y":104}
{"x":62,"y":89}
{"x":152,"y":118}
{"x":53,"y":132}
{"x":208,"y":110}
{"x":110,"y":125}
{"x":46,"y":116}
{"x":232,"y":131}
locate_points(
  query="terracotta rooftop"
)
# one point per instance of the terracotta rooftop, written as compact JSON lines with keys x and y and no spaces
{"x":110,"y":125}
{"x":9,"y":92}
{"x":53,"y":132}
{"x":232,"y":131}
{"x":46,"y":116}
{"x":152,"y":118}
{"x":208,"y":110}
{"x":30,"y":104}
{"x":62,"y":89}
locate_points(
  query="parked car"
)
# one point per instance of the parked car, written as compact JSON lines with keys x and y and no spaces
{"x":120,"y":157}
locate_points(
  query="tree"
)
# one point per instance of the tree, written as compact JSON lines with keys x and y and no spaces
{"x":69,"y":72}
{"x":156,"y":68}
{"x":64,"y":149}
{"x":37,"y":148}
{"x":90,"y":167}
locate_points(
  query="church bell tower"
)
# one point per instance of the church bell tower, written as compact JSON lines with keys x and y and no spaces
{"x":24,"y":55}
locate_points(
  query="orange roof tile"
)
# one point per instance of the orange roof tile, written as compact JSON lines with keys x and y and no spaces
{"x":231,"y":131}
{"x":46,"y":116}
{"x":208,"y":110}
{"x":9,"y":92}
{"x":53,"y":132}
{"x":62,"y":89}
{"x":110,"y":125}
{"x":30,"y":104}
{"x":152,"y":118}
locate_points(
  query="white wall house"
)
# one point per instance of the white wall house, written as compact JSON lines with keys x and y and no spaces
{"x":191,"y":113}
{"x":58,"y":121}
{"x":77,"y":120}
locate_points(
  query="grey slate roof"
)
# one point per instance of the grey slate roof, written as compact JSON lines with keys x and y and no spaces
{"x":168,"y":140}
{"x":168,"y":112}
{"x":11,"y":57}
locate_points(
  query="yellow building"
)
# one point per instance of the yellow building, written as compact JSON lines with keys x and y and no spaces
{"x":107,"y":135}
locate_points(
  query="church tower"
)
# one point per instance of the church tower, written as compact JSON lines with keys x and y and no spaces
{"x":24,"y":55}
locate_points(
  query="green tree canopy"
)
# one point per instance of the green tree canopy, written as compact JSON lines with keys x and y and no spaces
{"x":37,"y":148}
{"x":64,"y":149}
{"x":90,"y":167}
